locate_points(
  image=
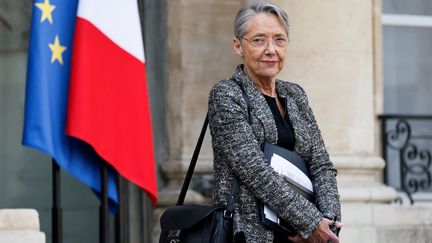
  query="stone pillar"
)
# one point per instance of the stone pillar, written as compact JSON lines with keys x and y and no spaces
{"x":335,"y":54}
{"x":200,"y":54}
{"x":20,"y":226}
{"x":332,"y":55}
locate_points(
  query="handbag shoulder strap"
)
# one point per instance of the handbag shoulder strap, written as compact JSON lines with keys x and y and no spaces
{"x":188,"y":177}
{"x":192,"y":164}
{"x":247,"y":100}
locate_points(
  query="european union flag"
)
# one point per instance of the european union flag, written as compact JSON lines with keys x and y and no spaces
{"x":49,"y":62}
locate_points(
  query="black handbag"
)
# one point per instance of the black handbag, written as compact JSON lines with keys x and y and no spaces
{"x":198,"y":223}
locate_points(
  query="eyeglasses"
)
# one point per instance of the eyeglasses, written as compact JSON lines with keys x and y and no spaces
{"x":264,"y":41}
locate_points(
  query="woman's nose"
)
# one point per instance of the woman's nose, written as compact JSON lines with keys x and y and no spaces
{"x":270,"y":47}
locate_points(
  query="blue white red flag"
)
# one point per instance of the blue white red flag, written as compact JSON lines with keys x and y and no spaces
{"x":86,"y":95}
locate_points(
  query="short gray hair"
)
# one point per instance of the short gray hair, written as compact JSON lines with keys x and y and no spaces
{"x":253,"y":8}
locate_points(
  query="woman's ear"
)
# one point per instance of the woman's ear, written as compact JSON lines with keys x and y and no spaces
{"x":237,"y":47}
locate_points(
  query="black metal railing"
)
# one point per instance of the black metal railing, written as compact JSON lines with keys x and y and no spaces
{"x":120,"y":226}
{"x":406,"y":147}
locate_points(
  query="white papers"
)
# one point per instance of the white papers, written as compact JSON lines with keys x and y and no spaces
{"x":294,"y":175}
{"x":270,"y":215}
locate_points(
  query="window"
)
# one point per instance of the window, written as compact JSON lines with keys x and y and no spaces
{"x":407,"y":51}
{"x":407,"y":59}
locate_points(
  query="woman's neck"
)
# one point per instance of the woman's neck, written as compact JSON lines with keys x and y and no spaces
{"x":265,"y":86}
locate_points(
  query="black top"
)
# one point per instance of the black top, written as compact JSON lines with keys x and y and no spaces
{"x":286,"y":138}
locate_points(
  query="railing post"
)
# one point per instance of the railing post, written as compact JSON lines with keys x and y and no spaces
{"x":56,"y":211}
{"x":384,"y":146}
{"x":103,"y":209}
{"x":121,"y":219}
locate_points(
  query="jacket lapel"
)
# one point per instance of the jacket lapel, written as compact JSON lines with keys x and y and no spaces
{"x":259,"y":107}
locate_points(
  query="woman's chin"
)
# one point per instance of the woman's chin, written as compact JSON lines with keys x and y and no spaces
{"x":270,"y":74}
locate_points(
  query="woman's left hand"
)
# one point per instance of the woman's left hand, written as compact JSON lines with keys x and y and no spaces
{"x":296,"y":239}
{"x":322,"y":234}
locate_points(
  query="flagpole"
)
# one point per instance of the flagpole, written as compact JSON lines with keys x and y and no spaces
{"x":103,"y":209}
{"x":122,"y":210}
{"x":119,"y":215}
{"x":56,"y":211}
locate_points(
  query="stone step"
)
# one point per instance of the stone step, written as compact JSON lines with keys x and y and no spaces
{"x":381,"y":223}
{"x":21,"y":236}
{"x":20,"y":226}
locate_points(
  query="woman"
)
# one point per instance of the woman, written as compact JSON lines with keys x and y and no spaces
{"x":280,"y":115}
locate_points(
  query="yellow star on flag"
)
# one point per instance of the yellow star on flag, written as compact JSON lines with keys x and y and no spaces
{"x":57,"y":50}
{"x":46,"y":9}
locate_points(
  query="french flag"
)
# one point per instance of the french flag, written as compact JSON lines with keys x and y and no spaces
{"x":108,"y":105}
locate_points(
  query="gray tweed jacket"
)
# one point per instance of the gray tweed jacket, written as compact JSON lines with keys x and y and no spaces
{"x":236,"y":150}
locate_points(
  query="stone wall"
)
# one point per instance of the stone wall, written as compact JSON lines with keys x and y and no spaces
{"x":335,"y":54}
{"x":331,"y":55}
{"x":200,"y":54}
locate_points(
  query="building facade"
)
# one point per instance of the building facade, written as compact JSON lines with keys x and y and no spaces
{"x":336,"y":53}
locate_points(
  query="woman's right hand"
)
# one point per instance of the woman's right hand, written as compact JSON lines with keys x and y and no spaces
{"x":322,"y":234}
